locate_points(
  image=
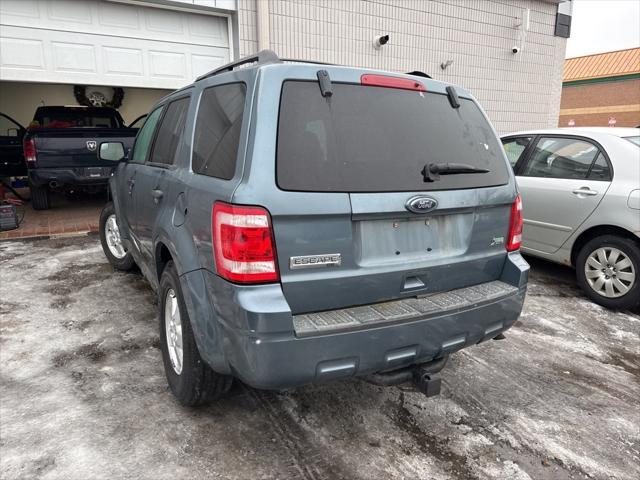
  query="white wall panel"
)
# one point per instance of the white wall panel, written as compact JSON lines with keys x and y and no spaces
{"x":108,"y":43}
{"x":518,"y":91}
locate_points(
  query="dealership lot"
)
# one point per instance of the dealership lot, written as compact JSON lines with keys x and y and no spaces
{"x":83,"y":393}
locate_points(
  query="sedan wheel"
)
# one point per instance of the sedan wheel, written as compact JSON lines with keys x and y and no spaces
{"x":609,"y":272}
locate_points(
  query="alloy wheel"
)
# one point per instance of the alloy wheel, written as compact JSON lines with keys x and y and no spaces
{"x":112,"y":235}
{"x":173,"y":330}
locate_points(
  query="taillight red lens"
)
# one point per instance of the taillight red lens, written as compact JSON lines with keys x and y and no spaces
{"x":515,"y":226}
{"x":243,"y":244}
{"x":391,"y":82}
{"x":29,"y":150}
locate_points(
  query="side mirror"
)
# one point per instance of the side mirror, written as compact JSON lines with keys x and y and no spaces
{"x":111,"y":151}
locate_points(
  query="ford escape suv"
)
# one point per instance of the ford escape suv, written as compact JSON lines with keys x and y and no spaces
{"x":306,"y":222}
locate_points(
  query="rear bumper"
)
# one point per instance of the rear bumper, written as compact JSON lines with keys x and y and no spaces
{"x":70,"y":176}
{"x":250,"y":332}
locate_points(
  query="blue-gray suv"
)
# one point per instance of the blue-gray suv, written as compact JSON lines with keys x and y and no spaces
{"x":304,"y":222}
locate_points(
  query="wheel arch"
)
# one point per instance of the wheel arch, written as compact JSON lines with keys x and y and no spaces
{"x":161,"y":257}
{"x":597,"y":231}
{"x":177,"y":246}
{"x":196,"y":299}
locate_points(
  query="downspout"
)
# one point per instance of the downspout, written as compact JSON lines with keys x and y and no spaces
{"x":262,"y":21}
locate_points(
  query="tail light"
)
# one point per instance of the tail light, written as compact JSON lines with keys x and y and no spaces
{"x":515,"y":226}
{"x":29,"y":149}
{"x":243,"y":244}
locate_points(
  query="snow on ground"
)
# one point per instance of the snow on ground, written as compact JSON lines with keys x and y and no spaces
{"x":83,"y":394}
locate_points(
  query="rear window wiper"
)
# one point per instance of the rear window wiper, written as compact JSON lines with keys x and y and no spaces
{"x":432,"y":171}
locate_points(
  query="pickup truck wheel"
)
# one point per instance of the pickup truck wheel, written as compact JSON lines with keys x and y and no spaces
{"x":190,"y":379}
{"x":608,"y":270}
{"x":40,"y":197}
{"x":112,"y":245}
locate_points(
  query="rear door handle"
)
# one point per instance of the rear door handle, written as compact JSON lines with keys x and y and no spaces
{"x":157,"y":195}
{"x":585,"y":191}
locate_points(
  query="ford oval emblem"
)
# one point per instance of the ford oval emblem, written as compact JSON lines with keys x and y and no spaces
{"x":421,"y":204}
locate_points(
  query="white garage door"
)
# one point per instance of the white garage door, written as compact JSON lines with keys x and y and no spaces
{"x":97,"y":42}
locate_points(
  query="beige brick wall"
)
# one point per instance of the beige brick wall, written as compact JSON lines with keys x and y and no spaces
{"x":518,"y":91}
{"x":247,"y":34}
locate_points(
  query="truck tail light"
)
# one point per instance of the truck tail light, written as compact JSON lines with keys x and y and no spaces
{"x":243,"y":244}
{"x":391,"y":82}
{"x":29,"y":149}
{"x":515,"y":226}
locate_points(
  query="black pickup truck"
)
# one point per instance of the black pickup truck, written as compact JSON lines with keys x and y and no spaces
{"x":61,"y":149}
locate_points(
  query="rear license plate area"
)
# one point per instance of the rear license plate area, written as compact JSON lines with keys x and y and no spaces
{"x":400,"y":240}
{"x":97,"y":172}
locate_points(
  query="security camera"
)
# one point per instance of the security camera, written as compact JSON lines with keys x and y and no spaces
{"x":515,"y":49}
{"x":381,"y":40}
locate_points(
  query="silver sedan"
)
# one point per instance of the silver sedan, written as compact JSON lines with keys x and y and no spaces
{"x":580,"y":190}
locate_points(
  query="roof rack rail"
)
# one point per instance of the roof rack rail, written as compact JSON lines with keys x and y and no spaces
{"x":301,"y":60}
{"x":262,"y":57}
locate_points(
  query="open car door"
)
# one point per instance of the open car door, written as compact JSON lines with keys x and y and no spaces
{"x":12,"y":162}
{"x":138,"y":122}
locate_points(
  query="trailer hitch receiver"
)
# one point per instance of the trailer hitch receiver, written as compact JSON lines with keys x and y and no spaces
{"x":427,"y":382}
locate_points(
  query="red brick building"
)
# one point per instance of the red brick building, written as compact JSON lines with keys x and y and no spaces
{"x":601,"y":90}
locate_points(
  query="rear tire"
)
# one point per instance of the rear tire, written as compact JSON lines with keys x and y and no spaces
{"x":119,"y":258}
{"x":40,"y":199}
{"x":620,"y":267}
{"x":190,"y":379}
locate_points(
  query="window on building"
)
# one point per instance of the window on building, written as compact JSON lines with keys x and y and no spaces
{"x":217,"y":135}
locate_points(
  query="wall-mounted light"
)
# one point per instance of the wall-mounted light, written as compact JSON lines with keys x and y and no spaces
{"x":445,"y":65}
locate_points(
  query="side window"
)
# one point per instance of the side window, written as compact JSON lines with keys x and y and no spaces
{"x":218,"y":124}
{"x":145,"y":135}
{"x":600,"y":169}
{"x":561,"y":158}
{"x":514,"y":148}
{"x":170,"y":132}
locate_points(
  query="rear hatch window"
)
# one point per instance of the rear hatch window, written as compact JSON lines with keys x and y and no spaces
{"x":377,"y":139}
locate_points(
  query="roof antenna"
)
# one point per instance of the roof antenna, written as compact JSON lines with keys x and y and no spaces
{"x":325,"y":83}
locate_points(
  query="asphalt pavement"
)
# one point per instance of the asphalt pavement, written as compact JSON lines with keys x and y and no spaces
{"x":83,"y":393}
